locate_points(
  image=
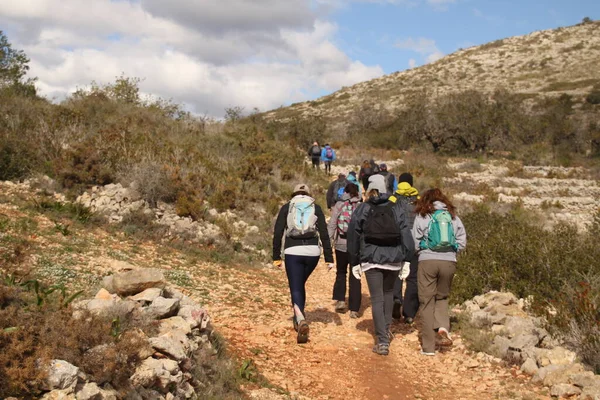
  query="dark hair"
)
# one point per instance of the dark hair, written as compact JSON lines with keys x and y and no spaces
{"x":425,"y":203}
{"x":351,"y":189}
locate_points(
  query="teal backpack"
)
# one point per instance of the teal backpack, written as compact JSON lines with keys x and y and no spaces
{"x":440,"y":235}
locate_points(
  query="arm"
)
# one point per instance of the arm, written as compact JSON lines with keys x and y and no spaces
{"x":332,"y":225}
{"x":354,"y":234}
{"x":395,"y":184}
{"x":322,"y":228}
{"x":460,"y":234}
{"x":329,"y":195}
{"x":419,"y":229}
{"x":407,"y":238}
{"x":323,"y":154}
{"x":279,"y":230}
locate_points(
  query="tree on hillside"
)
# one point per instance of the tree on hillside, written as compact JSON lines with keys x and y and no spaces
{"x":13,"y":69}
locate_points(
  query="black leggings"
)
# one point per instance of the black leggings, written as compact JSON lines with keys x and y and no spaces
{"x":298,"y":269}
{"x":339,"y":287}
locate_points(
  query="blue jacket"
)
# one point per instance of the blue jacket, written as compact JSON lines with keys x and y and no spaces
{"x":324,"y":152}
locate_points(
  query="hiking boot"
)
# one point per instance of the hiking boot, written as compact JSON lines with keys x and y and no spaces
{"x":340,"y":307}
{"x":396,"y":310}
{"x":443,"y":338}
{"x":409,"y":320}
{"x":353,"y":314}
{"x":303,"y":331}
{"x":383,"y":349}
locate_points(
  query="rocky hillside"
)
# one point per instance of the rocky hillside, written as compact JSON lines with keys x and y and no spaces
{"x":543,"y":63}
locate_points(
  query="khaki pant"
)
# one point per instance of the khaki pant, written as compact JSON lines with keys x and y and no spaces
{"x":434,"y":279}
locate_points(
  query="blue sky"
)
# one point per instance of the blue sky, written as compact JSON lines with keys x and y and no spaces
{"x":214,"y":54}
{"x":368,"y":31}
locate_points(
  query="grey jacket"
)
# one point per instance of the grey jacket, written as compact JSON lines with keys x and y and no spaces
{"x":361,"y":252}
{"x":334,"y":237}
{"x":421,"y":230}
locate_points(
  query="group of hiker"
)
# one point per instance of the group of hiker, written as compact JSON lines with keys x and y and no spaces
{"x":326,"y":154}
{"x":380,"y":228}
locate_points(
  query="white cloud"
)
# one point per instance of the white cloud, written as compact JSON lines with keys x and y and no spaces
{"x":427,"y":48}
{"x":412,"y":63}
{"x":208,"y":54}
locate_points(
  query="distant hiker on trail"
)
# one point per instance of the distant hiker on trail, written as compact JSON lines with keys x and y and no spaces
{"x":335,"y":191}
{"x":314,"y":152}
{"x":379,"y":242}
{"x":328,"y":156}
{"x":365,"y":172}
{"x":300,"y":226}
{"x":438,"y":234}
{"x":337,"y":227}
{"x":390,"y":179}
{"x":352,"y":179}
{"x":406,"y":195}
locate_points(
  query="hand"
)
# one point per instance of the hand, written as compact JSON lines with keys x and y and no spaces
{"x":277,"y":263}
{"x":357,"y":272}
{"x":404,"y":271}
{"x":330,"y":266}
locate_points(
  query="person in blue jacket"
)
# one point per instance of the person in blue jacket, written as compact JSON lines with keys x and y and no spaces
{"x":327,"y":156}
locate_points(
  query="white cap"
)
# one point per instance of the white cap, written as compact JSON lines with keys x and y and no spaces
{"x":377,"y":182}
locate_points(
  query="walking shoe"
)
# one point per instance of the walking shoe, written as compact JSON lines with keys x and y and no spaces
{"x":340,"y":307}
{"x":425,"y":353}
{"x":383,"y":349}
{"x":396,"y":310}
{"x":303,"y":331}
{"x":443,"y":338}
{"x":353,"y":314}
{"x":409,"y":320}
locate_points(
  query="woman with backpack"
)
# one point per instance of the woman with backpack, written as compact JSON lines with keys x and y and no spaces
{"x":379,"y":242}
{"x":439,"y":235}
{"x":302,"y":223}
{"x":337,"y":227}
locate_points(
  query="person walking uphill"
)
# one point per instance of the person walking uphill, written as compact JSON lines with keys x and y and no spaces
{"x":328,"y":156}
{"x":335,"y":191}
{"x":379,"y":241}
{"x":314,"y":152}
{"x":337,"y":227}
{"x":439,"y":235}
{"x":407,"y":196}
{"x":300,"y":226}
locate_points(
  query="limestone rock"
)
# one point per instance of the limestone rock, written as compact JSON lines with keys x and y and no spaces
{"x":516,"y":326}
{"x":564,"y":390}
{"x":555,"y":374}
{"x":161,"y":374}
{"x":586,"y":379}
{"x":522,"y":342}
{"x":148,"y":295}
{"x":555,"y":356}
{"x":194,"y":315}
{"x":163,"y":308}
{"x":590,"y":393}
{"x":529,"y":367}
{"x":174,"y":344}
{"x":174,"y":323}
{"x":104,"y":294}
{"x":66,"y":394}
{"x":138,"y":280}
{"x":61,"y":375}
{"x":500,"y":346}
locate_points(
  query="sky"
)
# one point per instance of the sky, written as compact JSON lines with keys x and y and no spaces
{"x":214,"y":54}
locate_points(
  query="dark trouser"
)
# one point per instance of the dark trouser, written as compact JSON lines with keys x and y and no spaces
{"x":298,"y":269}
{"x":327,"y":166}
{"x":339,"y":287}
{"x":316,"y":161}
{"x":381,"y":290}
{"x":410,"y":301}
{"x":435,"y":280}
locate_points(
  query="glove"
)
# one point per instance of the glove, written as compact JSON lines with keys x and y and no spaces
{"x":404,"y":271}
{"x":357,"y":272}
{"x":277,"y":263}
{"x":330,"y":266}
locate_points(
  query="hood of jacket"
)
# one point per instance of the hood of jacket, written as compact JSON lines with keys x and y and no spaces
{"x":382,"y":198}
{"x":404,"y":189}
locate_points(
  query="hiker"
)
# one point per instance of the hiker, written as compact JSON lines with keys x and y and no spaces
{"x":335,"y":191}
{"x":379,"y":242}
{"x":439,"y":235}
{"x":314,"y":152}
{"x":352,"y":179}
{"x":303,"y":224}
{"x":390,"y":179}
{"x":407,"y":195}
{"x":338,"y":229}
{"x":365,"y":172}
{"x":328,"y":156}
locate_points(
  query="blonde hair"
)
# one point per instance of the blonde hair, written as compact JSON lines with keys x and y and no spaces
{"x":372,"y":193}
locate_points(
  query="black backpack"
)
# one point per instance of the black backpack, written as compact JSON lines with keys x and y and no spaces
{"x":380,"y":227}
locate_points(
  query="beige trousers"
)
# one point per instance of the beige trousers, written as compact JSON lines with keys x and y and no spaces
{"x":434,"y":280}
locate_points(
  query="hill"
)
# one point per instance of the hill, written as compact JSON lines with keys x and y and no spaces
{"x":538,"y":65}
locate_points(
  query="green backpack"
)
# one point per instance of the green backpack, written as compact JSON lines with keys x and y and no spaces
{"x":440,"y":235}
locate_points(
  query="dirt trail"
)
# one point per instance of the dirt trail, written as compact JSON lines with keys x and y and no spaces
{"x":251,"y":309}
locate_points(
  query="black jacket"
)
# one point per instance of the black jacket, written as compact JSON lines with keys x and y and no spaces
{"x":281,"y":225}
{"x":361,"y":252}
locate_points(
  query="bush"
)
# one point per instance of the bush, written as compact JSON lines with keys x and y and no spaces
{"x":593,"y":97}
